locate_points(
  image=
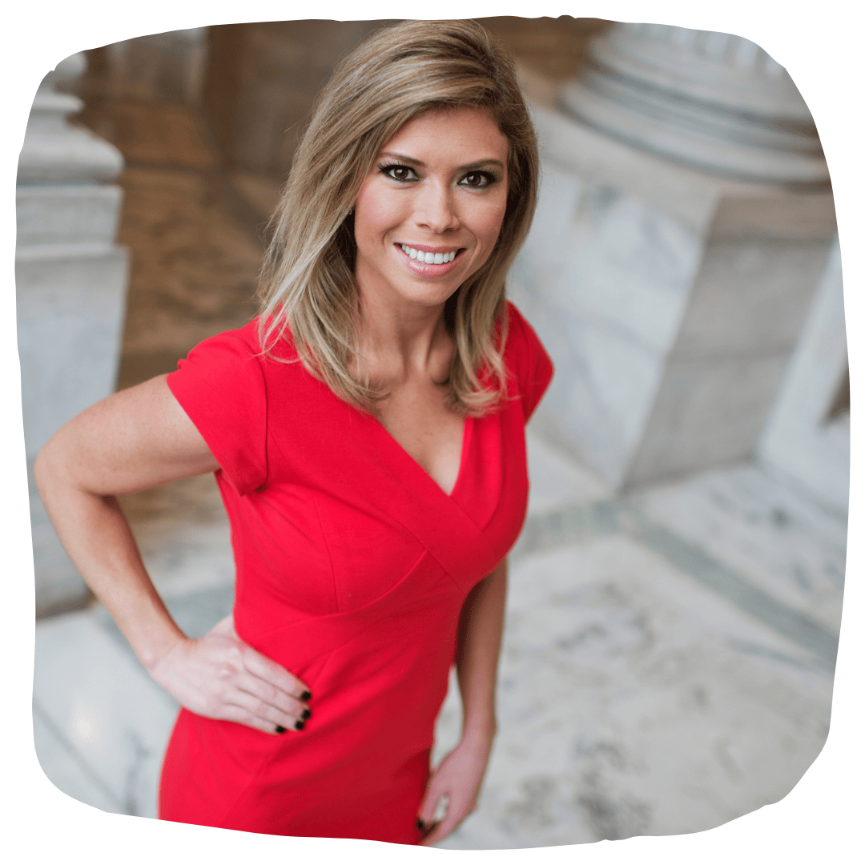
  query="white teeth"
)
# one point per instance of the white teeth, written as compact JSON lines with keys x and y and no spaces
{"x":429,"y":257}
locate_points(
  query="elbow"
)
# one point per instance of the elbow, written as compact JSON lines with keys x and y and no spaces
{"x":42,"y":468}
{"x":46,"y":468}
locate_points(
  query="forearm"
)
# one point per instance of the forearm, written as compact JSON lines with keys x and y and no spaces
{"x":478,"y":648}
{"x":97,"y":536}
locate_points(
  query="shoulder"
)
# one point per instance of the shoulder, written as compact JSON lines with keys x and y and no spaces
{"x":234,"y":354}
{"x":222,"y":386}
{"x":526,"y":360}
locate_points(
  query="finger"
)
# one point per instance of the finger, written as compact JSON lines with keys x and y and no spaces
{"x":239,"y":715}
{"x":429,"y":803}
{"x":429,"y":830}
{"x":266,"y":669}
{"x":443,"y":825}
{"x":440,"y":830}
{"x":434,"y":805}
{"x":266,"y":713}
{"x":270,"y":694}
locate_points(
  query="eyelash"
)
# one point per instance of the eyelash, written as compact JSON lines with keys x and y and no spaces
{"x":488,"y":177}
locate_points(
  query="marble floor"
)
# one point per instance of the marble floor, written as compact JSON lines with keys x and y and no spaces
{"x":667,"y":661}
{"x":668,"y":656}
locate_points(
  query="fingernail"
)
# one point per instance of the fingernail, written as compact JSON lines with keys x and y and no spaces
{"x":305,"y":696}
{"x":280,"y":730}
{"x":306,"y":714}
{"x":420,"y":823}
{"x":299,"y":725}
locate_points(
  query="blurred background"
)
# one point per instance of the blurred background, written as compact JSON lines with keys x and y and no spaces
{"x":676,"y":593}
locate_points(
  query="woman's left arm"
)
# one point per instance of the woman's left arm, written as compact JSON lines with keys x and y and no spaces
{"x":459,"y":775}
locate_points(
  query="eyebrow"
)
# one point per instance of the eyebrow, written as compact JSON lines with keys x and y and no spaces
{"x":471,"y":166}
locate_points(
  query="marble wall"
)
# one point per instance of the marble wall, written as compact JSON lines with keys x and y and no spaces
{"x":71,"y":281}
{"x":671,"y":296}
{"x":802,"y":439}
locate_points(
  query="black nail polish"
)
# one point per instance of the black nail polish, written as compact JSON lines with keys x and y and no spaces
{"x":305,"y":696}
{"x":306,"y":714}
{"x":299,"y":725}
{"x":420,"y":823}
{"x":280,"y":730}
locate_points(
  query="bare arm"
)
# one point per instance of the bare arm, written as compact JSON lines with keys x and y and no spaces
{"x":137,"y":439}
{"x":460,"y":774}
{"x":131,"y":441}
{"x":478,"y":650}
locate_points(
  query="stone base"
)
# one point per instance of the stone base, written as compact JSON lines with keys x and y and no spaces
{"x":801,"y":439}
{"x":670,"y":301}
{"x":59,"y":586}
{"x":70,"y":320}
{"x":66,"y":214}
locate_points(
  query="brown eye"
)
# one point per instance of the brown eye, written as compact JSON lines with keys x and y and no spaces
{"x":478,"y":179}
{"x":401,"y":173}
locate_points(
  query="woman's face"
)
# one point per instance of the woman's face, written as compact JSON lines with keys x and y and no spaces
{"x":429,"y":212}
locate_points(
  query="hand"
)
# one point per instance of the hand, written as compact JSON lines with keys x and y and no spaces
{"x":458,"y":777}
{"x":219,"y":676}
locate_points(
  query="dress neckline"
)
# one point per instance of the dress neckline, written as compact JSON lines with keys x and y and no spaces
{"x":468,"y":424}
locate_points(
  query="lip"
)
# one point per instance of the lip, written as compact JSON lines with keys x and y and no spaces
{"x":421,"y":248}
{"x":430,"y":269}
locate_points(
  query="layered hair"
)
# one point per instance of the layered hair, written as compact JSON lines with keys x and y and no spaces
{"x":308,"y":287}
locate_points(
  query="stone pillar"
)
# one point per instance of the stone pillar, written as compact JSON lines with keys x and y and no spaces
{"x":711,"y":100}
{"x":71,"y":282}
{"x":684,"y":224}
{"x":169,"y":66}
{"x":259,"y":89}
{"x":802,"y":439}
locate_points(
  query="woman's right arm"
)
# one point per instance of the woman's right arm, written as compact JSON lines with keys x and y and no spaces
{"x":134,"y":440}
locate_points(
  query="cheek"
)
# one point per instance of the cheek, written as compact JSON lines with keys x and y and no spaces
{"x":373,"y":212}
{"x":489,"y":223}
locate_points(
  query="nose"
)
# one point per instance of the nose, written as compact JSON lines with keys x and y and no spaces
{"x":436,"y":208}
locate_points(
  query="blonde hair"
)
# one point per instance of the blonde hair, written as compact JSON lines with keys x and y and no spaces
{"x":308,"y":287}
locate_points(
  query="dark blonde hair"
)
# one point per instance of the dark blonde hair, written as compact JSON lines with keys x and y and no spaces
{"x":308,"y":286}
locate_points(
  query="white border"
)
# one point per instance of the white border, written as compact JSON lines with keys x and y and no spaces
{"x":818,"y":820}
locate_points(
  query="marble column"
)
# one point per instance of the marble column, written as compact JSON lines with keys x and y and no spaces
{"x":259,"y":88}
{"x":71,"y":282}
{"x":803,"y":438}
{"x":684,"y":225}
{"x":170,"y":64}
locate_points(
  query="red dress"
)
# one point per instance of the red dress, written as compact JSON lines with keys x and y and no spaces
{"x":352,"y":568}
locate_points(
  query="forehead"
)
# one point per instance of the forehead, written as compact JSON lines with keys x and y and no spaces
{"x":461,"y":129}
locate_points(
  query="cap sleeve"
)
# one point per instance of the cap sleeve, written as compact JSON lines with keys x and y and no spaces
{"x":221,"y":387}
{"x":531,"y":363}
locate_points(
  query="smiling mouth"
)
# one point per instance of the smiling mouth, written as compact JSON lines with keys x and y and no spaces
{"x":423,"y":257}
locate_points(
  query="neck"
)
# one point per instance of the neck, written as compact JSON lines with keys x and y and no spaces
{"x":399,"y":340}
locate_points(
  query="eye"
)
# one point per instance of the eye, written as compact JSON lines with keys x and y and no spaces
{"x":479,"y":179}
{"x":396,"y":171}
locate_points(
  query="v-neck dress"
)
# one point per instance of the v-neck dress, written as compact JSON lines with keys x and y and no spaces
{"x":352,"y":566}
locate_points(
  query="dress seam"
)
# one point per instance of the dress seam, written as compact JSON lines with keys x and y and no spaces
{"x":266,"y":421}
{"x":336,"y":602}
{"x":235,"y":805}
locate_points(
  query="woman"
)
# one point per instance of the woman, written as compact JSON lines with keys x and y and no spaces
{"x":367,"y":436}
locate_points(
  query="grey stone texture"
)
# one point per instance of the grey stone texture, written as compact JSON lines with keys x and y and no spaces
{"x":71,"y":281}
{"x":712,"y":100}
{"x":801,"y":438}
{"x":670,"y":298}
